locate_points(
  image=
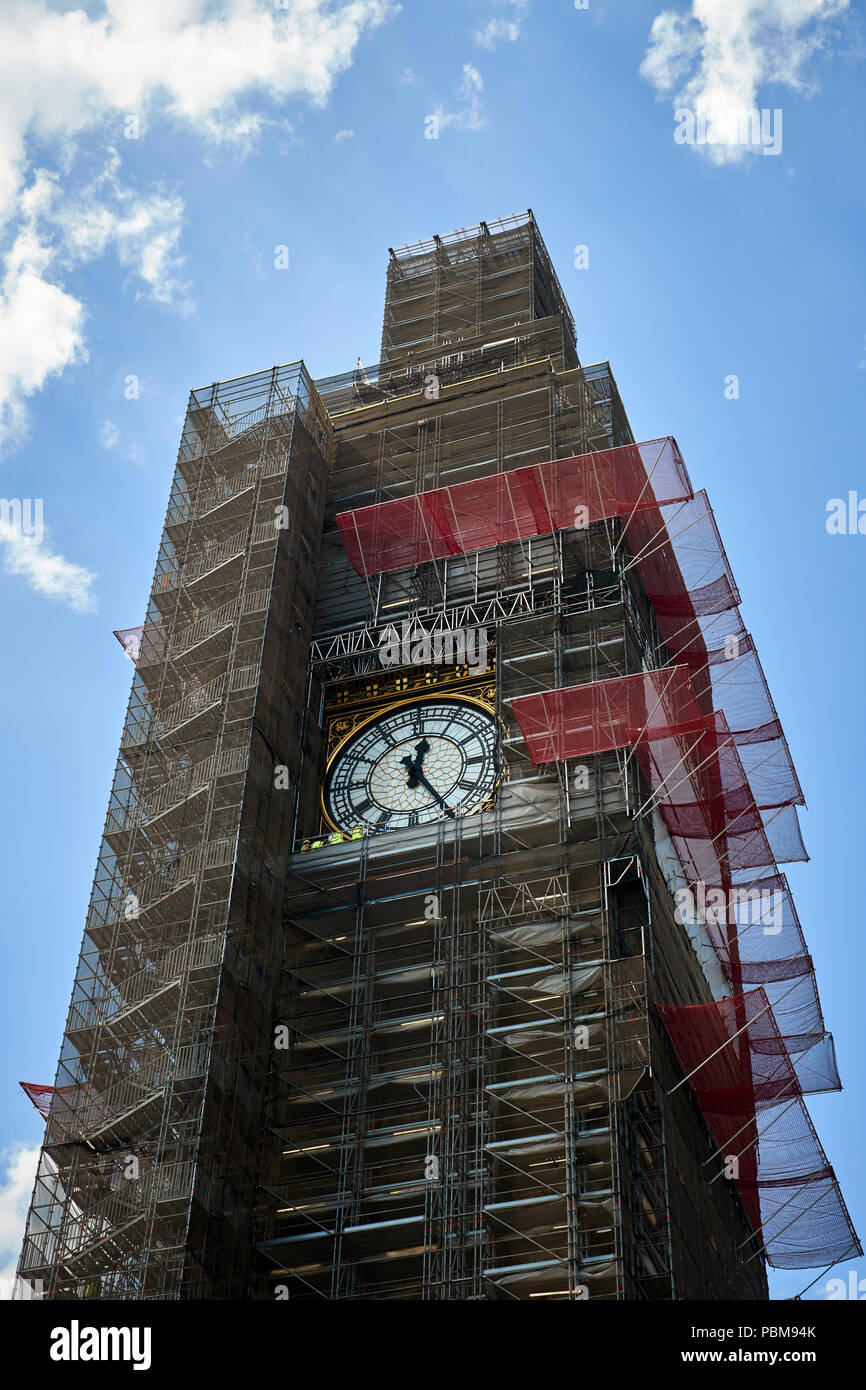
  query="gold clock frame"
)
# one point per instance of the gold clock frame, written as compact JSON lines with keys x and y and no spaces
{"x":432,"y":696}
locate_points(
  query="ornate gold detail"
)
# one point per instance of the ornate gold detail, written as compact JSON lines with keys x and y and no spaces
{"x":369,"y":689}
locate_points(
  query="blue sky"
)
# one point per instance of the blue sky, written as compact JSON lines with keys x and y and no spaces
{"x":153,"y":258}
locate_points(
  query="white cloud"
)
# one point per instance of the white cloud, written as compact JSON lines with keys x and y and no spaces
{"x":16,"y":1187}
{"x":143,"y":232}
{"x":408,"y":76}
{"x":41,"y":330}
{"x":109,"y":435}
{"x":66,"y":74}
{"x":342,"y":135}
{"x":45,"y":572}
{"x":41,"y":322}
{"x":506,"y":26}
{"x":718,"y":56}
{"x":468,"y":114}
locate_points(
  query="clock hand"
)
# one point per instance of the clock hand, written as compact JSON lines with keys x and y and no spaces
{"x":433,"y":792}
{"x":414,"y":765}
{"x":415,"y":774}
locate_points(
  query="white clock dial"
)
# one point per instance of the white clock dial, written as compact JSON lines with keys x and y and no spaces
{"x":413,"y":764}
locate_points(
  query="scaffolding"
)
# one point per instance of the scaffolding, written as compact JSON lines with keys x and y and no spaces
{"x":316,"y":1061}
{"x":479,"y":281}
{"x":590,"y":621}
{"x":471,"y":1102}
{"x":726,"y":796}
{"x":152,"y":1135}
{"x":491,"y":1072}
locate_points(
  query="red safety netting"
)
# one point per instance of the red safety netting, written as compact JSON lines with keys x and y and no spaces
{"x":751,"y":1091}
{"x":682,"y":563}
{"x":704,"y":794}
{"x":692,"y":763}
{"x":39,"y":1095}
{"x":771,"y":951}
{"x":692,"y":760}
{"x":602,"y":715}
{"x":682,"y":559}
{"x":53,"y":1100}
{"x":722,"y":836}
{"x":513,"y":506}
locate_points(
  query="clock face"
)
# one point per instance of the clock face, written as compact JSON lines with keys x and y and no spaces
{"x":413,"y":764}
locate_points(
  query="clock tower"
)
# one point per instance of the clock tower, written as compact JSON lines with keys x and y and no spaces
{"x":443,"y":714}
{"x":470,"y":1102}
